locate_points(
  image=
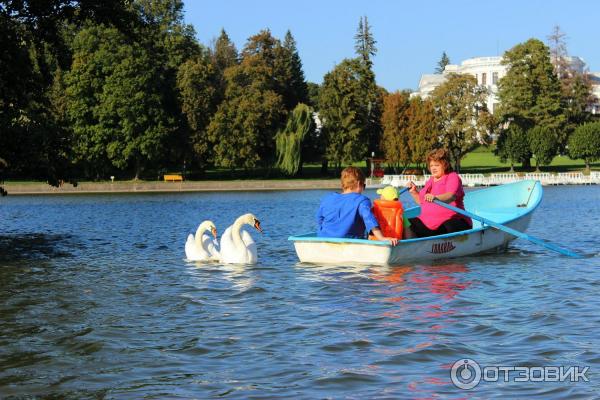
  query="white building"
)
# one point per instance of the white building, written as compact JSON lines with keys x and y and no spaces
{"x":488,"y":71}
{"x":595,"y":78}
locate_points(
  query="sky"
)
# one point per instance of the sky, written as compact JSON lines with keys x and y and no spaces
{"x":410,"y":35}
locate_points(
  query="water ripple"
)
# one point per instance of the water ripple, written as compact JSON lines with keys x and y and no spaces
{"x":97,"y":301}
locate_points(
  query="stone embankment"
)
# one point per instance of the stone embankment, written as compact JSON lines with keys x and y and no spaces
{"x":186,"y":186}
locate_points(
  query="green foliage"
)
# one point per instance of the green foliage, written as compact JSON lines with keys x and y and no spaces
{"x":244,"y":126}
{"x":313,"y":94}
{"x":295,"y":89}
{"x":198,"y":85}
{"x":459,"y":105}
{"x":445,"y":60}
{"x":513,"y":145}
{"x":290,"y":140}
{"x":114,"y":101}
{"x":224,"y":54}
{"x":343,"y":113}
{"x":530,"y":90}
{"x":364,"y":42}
{"x":585,"y":143}
{"x":422,"y":129}
{"x":543,"y":144}
{"x":396,"y":132}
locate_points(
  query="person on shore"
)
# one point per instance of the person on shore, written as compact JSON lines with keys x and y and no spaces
{"x":390,"y":214}
{"x":348,"y":214}
{"x":444,"y":185}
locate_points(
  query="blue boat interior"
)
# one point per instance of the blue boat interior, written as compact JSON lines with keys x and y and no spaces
{"x":501,"y":204}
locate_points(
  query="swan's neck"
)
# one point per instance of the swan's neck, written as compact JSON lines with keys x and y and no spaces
{"x":205,"y":226}
{"x":236,"y":236}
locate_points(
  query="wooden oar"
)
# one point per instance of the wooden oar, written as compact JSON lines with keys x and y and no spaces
{"x":512,"y":231}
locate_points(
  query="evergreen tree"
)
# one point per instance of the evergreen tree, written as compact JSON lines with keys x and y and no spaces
{"x":422,"y":129}
{"x":364,"y":42}
{"x":396,"y":133}
{"x":584,"y":143}
{"x":543,"y":144}
{"x":342,"y":114}
{"x":459,"y":108}
{"x":296,"y":90}
{"x":441,"y":65}
{"x":224,"y":53}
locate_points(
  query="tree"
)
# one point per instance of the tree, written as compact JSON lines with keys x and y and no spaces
{"x":513,"y":145}
{"x":584,"y":143}
{"x":34,"y":42}
{"x":114,"y":102}
{"x":364,"y":42}
{"x":543,"y":144}
{"x":442,"y":63}
{"x":459,"y":105}
{"x":313,"y":94}
{"x":296,"y":90}
{"x":243,"y":128}
{"x":576,"y":86}
{"x":343,"y":113}
{"x":530,"y":91}
{"x":170,"y":42}
{"x":422,"y":129}
{"x":290,"y":140}
{"x":198,"y":84}
{"x":224,"y":53}
{"x":396,"y":133}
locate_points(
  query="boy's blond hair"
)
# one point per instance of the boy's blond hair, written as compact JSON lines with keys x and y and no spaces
{"x":352,"y":176}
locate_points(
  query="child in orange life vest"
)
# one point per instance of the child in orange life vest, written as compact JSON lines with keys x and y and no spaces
{"x":389,"y":213}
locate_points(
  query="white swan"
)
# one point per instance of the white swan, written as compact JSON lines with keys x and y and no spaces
{"x":202,"y":247}
{"x":237,"y":246}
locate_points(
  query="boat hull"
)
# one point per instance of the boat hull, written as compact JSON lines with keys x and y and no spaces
{"x":513,"y":210}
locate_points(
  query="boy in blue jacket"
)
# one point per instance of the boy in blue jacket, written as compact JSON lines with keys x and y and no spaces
{"x":348,"y":214}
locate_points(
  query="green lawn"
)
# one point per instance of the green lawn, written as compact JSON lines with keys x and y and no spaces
{"x":482,"y":160}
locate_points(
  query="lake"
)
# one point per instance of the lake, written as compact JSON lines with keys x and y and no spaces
{"x":97,"y":301}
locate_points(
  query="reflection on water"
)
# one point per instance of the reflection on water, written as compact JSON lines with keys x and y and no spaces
{"x":97,"y":301}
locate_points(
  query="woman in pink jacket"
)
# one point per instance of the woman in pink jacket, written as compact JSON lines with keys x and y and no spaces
{"x":444,"y":185}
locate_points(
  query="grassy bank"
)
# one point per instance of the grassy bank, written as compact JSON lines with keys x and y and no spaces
{"x":481,"y":160}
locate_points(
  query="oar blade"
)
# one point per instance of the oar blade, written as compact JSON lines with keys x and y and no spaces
{"x":510,"y":230}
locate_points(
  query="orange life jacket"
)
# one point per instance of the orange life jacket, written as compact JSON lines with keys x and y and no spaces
{"x":389,"y":215}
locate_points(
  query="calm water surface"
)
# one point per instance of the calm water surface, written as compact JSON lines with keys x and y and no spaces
{"x":97,"y":301}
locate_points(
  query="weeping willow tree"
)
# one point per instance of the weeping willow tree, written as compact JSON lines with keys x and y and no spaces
{"x":289,"y":140}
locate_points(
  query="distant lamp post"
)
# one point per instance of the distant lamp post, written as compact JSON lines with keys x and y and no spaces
{"x":112,"y":179}
{"x":372,"y":163}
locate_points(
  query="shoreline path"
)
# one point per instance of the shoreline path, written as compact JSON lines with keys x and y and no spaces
{"x":169,"y":187}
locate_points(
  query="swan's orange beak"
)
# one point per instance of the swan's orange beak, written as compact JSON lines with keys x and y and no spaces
{"x":214,"y":232}
{"x":257,"y":226}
